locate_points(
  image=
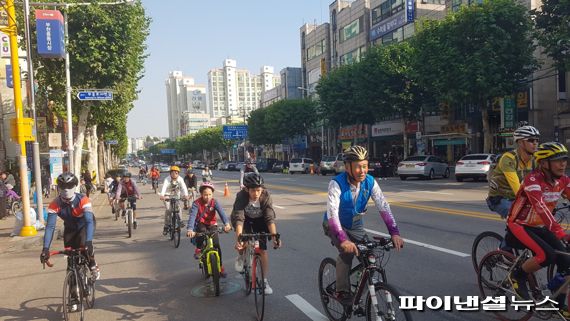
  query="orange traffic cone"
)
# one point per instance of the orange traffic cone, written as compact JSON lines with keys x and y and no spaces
{"x":226,"y":190}
{"x":312,"y":171}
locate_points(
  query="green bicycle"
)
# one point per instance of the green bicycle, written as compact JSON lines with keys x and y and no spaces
{"x":210,"y":260}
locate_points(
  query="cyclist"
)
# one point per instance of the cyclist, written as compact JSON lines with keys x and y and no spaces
{"x":512,"y":167}
{"x":248,"y":168}
{"x":172,"y":185}
{"x":78,"y":222}
{"x":142,"y":173}
{"x":253,"y":213}
{"x":154,"y":175}
{"x":127,"y":188}
{"x":191,"y":182}
{"x":531,"y":220}
{"x":348,"y":194}
{"x":203,"y":218}
{"x":206,"y":174}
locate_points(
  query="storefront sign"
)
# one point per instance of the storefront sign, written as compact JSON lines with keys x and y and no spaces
{"x":412,"y":127}
{"x":388,"y":25}
{"x":50,"y":33}
{"x":508,"y":115}
{"x":454,"y":128}
{"x":387,"y":129}
{"x":4,"y":45}
{"x":352,"y":132}
{"x":522,"y":99}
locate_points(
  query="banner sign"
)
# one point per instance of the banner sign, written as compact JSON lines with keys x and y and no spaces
{"x":4,"y":45}
{"x":168,"y":151}
{"x":9,"y":77}
{"x":55,"y":163}
{"x":51,"y":34}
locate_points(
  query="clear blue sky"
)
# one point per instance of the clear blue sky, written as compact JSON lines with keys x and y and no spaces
{"x":196,"y":36}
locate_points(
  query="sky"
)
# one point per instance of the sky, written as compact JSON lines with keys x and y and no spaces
{"x":196,"y":36}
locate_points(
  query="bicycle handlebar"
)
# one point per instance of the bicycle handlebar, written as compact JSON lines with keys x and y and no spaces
{"x":218,"y":230}
{"x":383,"y":242}
{"x":258,"y":236}
{"x":66,"y":251}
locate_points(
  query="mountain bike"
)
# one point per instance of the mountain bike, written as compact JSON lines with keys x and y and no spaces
{"x":175,"y":225}
{"x":368,"y":279}
{"x":494,"y":279}
{"x":210,"y":260}
{"x":78,"y":285}
{"x":128,"y":213}
{"x":253,"y":274}
{"x":489,"y":241}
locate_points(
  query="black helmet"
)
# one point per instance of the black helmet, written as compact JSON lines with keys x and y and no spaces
{"x":127,"y":174}
{"x":67,"y":181}
{"x":252,"y":180}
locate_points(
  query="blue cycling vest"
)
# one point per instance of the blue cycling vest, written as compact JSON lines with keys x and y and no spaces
{"x":347,"y":208}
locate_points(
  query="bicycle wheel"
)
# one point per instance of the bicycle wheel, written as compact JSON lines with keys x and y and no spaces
{"x":327,"y":288}
{"x":388,"y":299}
{"x":16,"y":207}
{"x":88,"y":287}
{"x":493,"y":279}
{"x":259,"y":291}
{"x":72,"y":298}
{"x":247,"y":271}
{"x":484,"y":243}
{"x":176,"y":229}
{"x":129,"y":216}
{"x":214,"y":264}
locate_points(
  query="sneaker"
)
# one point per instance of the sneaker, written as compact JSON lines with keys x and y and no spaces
{"x":238,"y":265}
{"x":268,"y":289}
{"x":73,"y":307}
{"x":165,"y":230}
{"x":345,"y":298}
{"x":518,"y":280}
{"x":95,"y":273}
{"x":135,"y":225}
{"x":197,"y":253}
{"x":223,"y":272}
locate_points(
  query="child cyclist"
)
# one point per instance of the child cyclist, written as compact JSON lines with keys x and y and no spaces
{"x":253,"y":213}
{"x":203,"y":218}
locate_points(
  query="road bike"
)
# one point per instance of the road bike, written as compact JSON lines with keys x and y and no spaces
{"x":155,"y":184}
{"x":175,"y":225}
{"x":372,"y":296}
{"x":489,"y":241}
{"x":494,"y":279}
{"x":210,"y":259}
{"x":128,"y":213}
{"x":253,"y":274}
{"x":142,"y":179}
{"x":78,"y":285}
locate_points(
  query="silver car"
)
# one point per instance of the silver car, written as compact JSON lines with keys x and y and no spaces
{"x":327,"y":165}
{"x":474,"y":166}
{"x":426,"y":167}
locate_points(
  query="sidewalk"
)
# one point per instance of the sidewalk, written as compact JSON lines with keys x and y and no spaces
{"x":17,"y":243}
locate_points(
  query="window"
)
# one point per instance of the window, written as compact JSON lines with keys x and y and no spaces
{"x":353,"y":56}
{"x":352,"y":29}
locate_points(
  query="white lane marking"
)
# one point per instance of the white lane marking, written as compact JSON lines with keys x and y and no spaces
{"x":306,"y":307}
{"x":429,"y":246}
{"x":431,"y":192}
{"x":279,"y":207}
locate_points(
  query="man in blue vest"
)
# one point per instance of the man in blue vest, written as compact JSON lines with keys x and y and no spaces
{"x":349,"y":193}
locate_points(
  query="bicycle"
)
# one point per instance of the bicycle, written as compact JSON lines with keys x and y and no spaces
{"x":175,"y":225}
{"x":496,"y":282}
{"x":142,"y":179}
{"x":155,"y":184}
{"x":253,"y":274}
{"x":78,"y":285}
{"x":128,"y":213}
{"x":489,"y":241}
{"x":210,"y":260}
{"x":368,"y":275}
{"x":14,"y":205}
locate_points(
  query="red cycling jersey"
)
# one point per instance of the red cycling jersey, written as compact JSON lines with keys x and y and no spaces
{"x":535,"y":201}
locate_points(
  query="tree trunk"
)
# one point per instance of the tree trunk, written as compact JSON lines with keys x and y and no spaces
{"x":101,"y":155}
{"x":92,"y":147}
{"x":78,"y":146}
{"x":405,"y":139}
{"x":487,"y":135}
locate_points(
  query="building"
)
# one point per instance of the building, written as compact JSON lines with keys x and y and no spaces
{"x":315,"y":55}
{"x":193,"y":122}
{"x":350,"y":24}
{"x":135,"y":144}
{"x":234,"y":91}
{"x":291,"y":87}
{"x":184,"y":97}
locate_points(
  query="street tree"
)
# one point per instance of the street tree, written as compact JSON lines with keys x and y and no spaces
{"x":553,"y":30}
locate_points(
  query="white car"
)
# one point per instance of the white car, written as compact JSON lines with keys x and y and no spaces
{"x":426,"y":167}
{"x":475,"y":166}
{"x":300,"y":165}
{"x":164,"y":168}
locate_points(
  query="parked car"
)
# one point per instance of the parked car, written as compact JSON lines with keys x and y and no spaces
{"x":375,"y":167}
{"x":265,"y":164}
{"x":339,"y":164}
{"x":279,"y":166}
{"x":232,"y":166}
{"x":222,"y":166}
{"x":164,"y":168}
{"x":475,"y":166}
{"x":300,"y":165}
{"x":427,"y":167}
{"x":326,"y":165}
{"x":197,"y":164}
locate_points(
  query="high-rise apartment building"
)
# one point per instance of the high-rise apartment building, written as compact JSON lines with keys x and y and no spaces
{"x":235,"y":92}
{"x":184,"y":97}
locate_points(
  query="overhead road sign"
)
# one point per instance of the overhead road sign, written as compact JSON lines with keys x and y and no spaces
{"x":235,"y":131}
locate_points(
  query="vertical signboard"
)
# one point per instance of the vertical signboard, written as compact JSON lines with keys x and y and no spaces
{"x":9,"y":77}
{"x":55,"y":163}
{"x":410,"y":14}
{"x":50,"y":32}
{"x":509,"y":112}
{"x":4,"y":45}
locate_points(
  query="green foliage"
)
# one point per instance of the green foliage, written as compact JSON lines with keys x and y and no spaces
{"x":553,"y":30}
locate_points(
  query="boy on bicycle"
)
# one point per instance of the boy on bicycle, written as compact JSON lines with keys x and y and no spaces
{"x":78,"y":222}
{"x":173,"y":184}
{"x":191,"y":182}
{"x":203,"y":219}
{"x":253,"y":213}
{"x":531,"y":220}
{"x":127,"y":188}
{"x":348,"y":194}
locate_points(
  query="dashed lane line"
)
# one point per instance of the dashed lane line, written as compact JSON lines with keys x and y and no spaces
{"x":306,"y":307}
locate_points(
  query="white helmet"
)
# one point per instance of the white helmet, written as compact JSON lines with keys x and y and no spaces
{"x":525,"y":132}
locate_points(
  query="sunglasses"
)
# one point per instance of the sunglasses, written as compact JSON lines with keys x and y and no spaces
{"x":532,"y":140}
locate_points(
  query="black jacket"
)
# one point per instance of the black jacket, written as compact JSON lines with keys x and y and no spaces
{"x":242,"y":200}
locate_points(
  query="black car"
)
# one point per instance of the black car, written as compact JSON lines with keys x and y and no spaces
{"x":279,"y":166}
{"x":232,"y":166}
{"x":375,"y":167}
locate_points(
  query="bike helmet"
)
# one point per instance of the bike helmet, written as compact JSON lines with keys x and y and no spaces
{"x":355,"y":154}
{"x":551,"y":151}
{"x":525,"y":132}
{"x":252,"y":180}
{"x":127,"y":174}
{"x":206,"y":185}
{"x":175,"y":168}
{"x":67,"y":181}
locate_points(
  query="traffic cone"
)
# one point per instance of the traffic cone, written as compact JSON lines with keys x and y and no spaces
{"x":312,"y":171}
{"x":226,"y":190}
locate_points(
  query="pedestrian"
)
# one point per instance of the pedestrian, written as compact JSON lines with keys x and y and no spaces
{"x":83,"y":187}
{"x":93,"y":178}
{"x":206,"y":174}
{"x":46,"y":184}
{"x":3,"y":199}
{"x":87,"y":179}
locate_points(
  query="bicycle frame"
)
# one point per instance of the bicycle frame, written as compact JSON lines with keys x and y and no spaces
{"x":208,"y":250}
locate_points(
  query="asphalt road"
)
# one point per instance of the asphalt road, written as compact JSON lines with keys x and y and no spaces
{"x":145,"y":278}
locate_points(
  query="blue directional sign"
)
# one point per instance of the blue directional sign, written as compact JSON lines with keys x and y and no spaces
{"x":95,"y":95}
{"x":113,"y":142}
{"x":235,"y":131}
{"x":168,"y":151}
